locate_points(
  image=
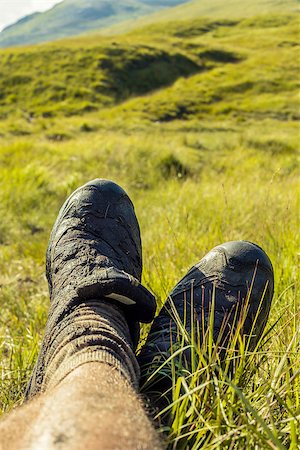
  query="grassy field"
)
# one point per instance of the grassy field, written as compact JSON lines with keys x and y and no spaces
{"x":199,"y":122}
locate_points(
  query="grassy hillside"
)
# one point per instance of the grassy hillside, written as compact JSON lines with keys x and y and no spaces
{"x":217,"y":59}
{"x":72,"y":17}
{"x":61,"y":79}
{"x":216,"y":9}
{"x":199,"y":121}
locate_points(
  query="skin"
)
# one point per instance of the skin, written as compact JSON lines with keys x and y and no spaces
{"x":93,"y":408}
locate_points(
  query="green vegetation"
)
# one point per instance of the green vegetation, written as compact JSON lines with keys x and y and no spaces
{"x":72,"y":17}
{"x":216,"y":9}
{"x":198,"y":121}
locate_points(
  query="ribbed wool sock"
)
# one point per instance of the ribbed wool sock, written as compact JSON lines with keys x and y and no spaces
{"x":93,"y":331}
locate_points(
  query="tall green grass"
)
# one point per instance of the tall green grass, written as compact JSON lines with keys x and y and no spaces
{"x":229,"y":398}
{"x":209,"y":157}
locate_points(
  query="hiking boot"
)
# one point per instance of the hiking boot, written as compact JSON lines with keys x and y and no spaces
{"x":95,"y":250}
{"x":94,"y":255}
{"x":230,"y":288}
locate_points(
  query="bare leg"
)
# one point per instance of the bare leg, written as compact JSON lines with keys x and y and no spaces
{"x":93,"y":408}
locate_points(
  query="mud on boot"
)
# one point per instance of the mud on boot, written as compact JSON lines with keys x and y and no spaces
{"x":94,"y":258}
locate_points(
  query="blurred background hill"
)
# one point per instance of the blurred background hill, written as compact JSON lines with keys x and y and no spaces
{"x":72,"y":17}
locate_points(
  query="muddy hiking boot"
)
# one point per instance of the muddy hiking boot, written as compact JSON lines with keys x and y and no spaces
{"x":94,"y":268}
{"x":228,"y":293}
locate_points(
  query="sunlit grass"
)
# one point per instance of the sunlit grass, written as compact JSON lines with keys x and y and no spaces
{"x":225,"y":399}
{"x":210,"y":158}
